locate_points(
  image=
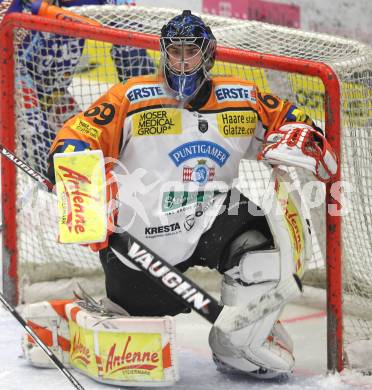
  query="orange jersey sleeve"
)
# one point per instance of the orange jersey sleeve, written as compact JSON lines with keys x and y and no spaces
{"x":275,"y":112}
{"x":272,"y":111}
{"x":100,"y":126}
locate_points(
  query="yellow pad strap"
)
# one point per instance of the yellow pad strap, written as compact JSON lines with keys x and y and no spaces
{"x":81,"y":195}
{"x":295,"y":222}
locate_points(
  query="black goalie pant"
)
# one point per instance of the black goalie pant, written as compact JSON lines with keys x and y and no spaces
{"x":140,"y":296}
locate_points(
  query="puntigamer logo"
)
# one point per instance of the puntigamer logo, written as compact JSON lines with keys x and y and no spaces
{"x":196,"y":149}
{"x":240,"y":93}
{"x":145,"y":92}
{"x":157,"y":122}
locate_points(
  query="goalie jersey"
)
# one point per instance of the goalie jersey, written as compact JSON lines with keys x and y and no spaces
{"x":175,"y":164}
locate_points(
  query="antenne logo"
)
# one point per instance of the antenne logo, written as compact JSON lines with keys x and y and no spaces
{"x":130,"y":358}
{"x":74,"y":198}
{"x":80,"y":352}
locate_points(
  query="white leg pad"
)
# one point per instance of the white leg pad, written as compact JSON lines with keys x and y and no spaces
{"x":246,"y":335}
{"x":259,"y":345}
{"x":259,"y":270}
{"x":48,"y":321}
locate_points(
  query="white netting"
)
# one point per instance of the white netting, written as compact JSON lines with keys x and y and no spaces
{"x":53,"y":83}
{"x":4,"y":5}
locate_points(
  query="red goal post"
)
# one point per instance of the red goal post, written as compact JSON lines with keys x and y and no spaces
{"x":332,"y":126}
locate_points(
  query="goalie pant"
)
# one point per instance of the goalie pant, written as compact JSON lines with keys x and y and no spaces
{"x":47,"y":63}
{"x":124,"y":281}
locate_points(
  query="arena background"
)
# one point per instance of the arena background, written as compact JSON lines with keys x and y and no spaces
{"x":347,"y":18}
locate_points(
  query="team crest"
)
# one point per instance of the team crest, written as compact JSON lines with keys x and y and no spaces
{"x":199,"y":174}
{"x":202,"y":125}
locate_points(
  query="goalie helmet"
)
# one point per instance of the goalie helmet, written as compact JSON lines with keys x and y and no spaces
{"x":188,"y":51}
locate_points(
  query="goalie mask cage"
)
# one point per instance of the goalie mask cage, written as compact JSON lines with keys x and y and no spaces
{"x":330,"y":78}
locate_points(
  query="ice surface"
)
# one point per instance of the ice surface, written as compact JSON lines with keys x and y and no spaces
{"x":307,"y":327}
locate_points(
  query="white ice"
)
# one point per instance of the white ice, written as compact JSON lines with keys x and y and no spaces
{"x":197,"y":372}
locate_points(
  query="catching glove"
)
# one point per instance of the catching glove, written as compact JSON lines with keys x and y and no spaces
{"x":300,"y":145}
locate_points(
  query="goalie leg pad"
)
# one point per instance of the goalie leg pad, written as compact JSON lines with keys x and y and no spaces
{"x":247,"y":335}
{"x":49,"y":322}
{"x":247,"y":267}
{"x":254,"y":350}
{"x":103,"y":342}
{"x":123,"y":351}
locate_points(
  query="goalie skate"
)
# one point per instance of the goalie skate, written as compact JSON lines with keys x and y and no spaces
{"x":277,"y":338}
{"x":261,"y":373}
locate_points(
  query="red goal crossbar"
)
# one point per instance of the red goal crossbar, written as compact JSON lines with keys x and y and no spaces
{"x":7,"y":135}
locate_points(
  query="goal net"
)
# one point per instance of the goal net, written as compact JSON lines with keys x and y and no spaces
{"x":51,"y":70}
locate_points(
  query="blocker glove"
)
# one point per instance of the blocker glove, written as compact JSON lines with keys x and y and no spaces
{"x":112,"y":210}
{"x":300,"y":145}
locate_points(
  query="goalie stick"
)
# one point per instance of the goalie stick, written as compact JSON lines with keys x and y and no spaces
{"x":43,"y":346}
{"x":124,"y":245}
{"x":26,"y":168}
